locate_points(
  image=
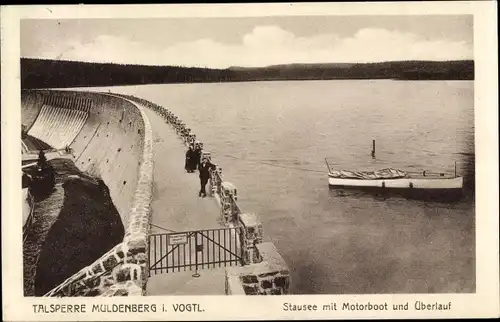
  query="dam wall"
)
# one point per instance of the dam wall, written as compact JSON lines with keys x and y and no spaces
{"x":114,"y":143}
{"x":31,"y":104}
{"x":108,"y":145}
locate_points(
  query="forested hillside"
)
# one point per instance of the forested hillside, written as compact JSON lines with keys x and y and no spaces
{"x":40,"y":73}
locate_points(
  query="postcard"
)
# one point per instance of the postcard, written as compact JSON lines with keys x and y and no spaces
{"x":250,"y":161}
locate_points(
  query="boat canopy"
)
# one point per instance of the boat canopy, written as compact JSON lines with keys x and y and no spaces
{"x":388,"y":173}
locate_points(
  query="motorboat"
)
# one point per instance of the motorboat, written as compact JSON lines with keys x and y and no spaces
{"x":391,"y":178}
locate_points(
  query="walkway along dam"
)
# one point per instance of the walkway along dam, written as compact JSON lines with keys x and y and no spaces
{"x":144,"y":221}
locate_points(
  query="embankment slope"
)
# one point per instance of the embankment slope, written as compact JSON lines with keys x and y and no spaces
{"x":72,"y":227}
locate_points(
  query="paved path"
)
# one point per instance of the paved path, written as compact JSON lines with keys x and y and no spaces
{"x":176,"y":204}
{"x":210,"y":282}
{"x":177,"y":207}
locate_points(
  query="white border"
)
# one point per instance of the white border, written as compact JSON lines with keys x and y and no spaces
{"x":484,"y":303}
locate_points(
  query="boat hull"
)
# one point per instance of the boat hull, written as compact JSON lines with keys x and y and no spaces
{"x":455,"y":183}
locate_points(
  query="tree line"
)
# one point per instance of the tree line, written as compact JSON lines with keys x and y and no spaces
{"x":42,"y":73}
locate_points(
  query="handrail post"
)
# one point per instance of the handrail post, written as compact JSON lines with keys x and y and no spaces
{"x":228,"y":204}
{"x":196,"y":274}
{"x":251,"y":236}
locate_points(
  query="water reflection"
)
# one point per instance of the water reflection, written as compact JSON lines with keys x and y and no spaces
{"x":445,"y":197}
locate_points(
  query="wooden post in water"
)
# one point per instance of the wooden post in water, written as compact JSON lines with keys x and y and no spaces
{"x":373,"y":148}
{"x":455,"y":169}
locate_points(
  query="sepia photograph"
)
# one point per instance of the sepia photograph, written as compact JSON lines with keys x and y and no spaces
{"x":305,"y":154}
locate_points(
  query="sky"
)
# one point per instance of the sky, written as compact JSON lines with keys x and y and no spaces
{"x":250,"y":41}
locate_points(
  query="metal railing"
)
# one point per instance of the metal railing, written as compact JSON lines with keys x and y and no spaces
{"x":194,"y":250}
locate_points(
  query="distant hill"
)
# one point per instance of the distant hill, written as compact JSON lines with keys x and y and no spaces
{"x":41,"y":73}
{"x":296,"y":66}
{"x":403,"y":70}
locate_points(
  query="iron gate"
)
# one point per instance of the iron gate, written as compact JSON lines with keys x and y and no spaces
{"x":199,"y":249}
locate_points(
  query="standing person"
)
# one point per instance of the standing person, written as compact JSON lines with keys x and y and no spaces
{"x":193,"y":162}
{"x":42,"y":160}
{"x":189,"y":164}
{"x":204,"y":169}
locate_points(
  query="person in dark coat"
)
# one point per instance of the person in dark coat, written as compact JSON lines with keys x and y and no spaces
{"x":204,"y":169}
{"x":42,"y":160}
{"x":190,"y":163}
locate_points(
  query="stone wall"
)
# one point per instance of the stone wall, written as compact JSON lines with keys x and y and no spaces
{"x":264,"y":272}
{"x":119,"y":272}
{"x":268,"y":275}
{"x":115,"y":144}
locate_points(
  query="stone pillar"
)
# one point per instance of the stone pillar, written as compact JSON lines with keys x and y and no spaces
{"x":227,"y":195}
{"x":215,"y":180}
{"x":225,"y":206}
{"x":221,"y":177}
{"x":269,"y":277}
{"x":136,"y":259}
{"x":251,"y":235}
{"x":185,"y":135}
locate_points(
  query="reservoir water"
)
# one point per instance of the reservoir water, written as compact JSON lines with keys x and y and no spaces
{"x":271,"y":139}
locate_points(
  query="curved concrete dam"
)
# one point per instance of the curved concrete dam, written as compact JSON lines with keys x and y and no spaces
{"x":106,"y":135}
{"x":108,"y":138}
